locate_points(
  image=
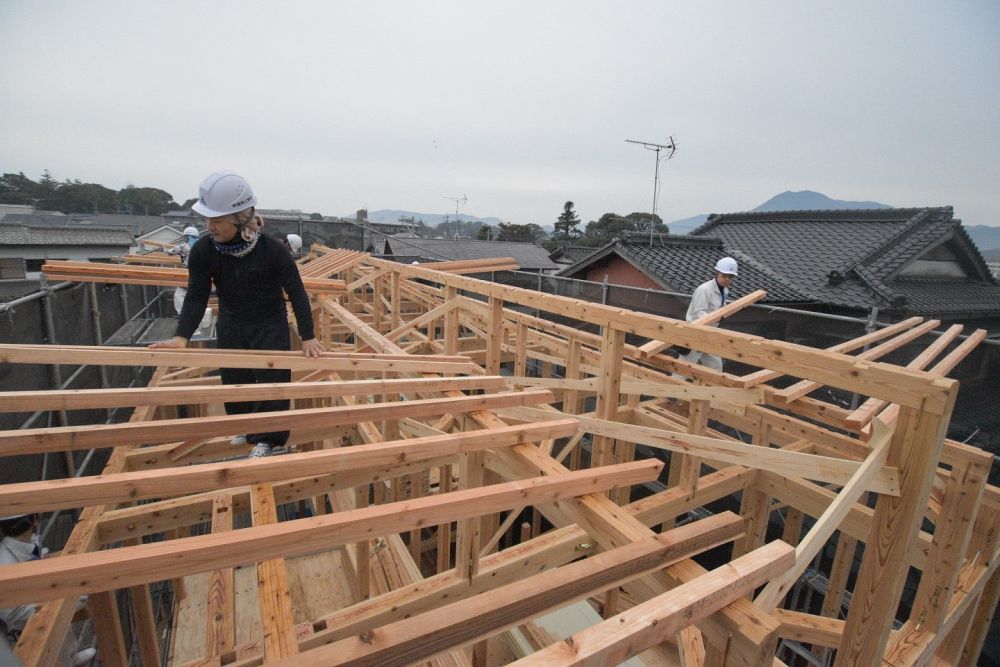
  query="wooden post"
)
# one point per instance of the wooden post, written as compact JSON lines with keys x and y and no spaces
{"x":272,"y":581}
{"x":451,"y":322}
{"x":962,"y":495}
{"x":612,"y":345}
{"x":521,"y":356}
{"x":469,"y":538}
{"x":144,"y":622}
{"x":103,"y":610}
{"x":915,"y":448}
{"x":395,"y":300}
{"x":697,"y":423}
{"x":444,"y":529}
{"x":755,"y":507}
{"x":494,"y":342}
{"x":362,"y":548}
{"x":220,"y":610}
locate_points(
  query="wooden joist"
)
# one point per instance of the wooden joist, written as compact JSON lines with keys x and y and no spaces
{"x":424,"y":636}
{"x":131,"y":486}
{"x":314,"y":420}
{"x":40,"y":580}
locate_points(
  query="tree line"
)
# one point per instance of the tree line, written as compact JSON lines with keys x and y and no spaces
{"x":75,"y":196}
{"x":601,"y":231}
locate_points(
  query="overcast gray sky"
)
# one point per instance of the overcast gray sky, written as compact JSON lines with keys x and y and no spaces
{"x":331,"y":106}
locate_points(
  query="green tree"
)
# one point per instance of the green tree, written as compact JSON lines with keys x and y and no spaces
{"x":606,"y":228}
{"x":566,"y":224}
{"x":146,"y":201}
{"x":529,"y":233}
{"x":611,"y":225}
{"x":17,"y":189}
{"x":188,"y":203}
{"x":316,"y":216}
{"x":645,"y":218}
{"x":78,"y":197}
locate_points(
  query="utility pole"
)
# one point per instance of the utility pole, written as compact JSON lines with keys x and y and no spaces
{"x":671,"y":147}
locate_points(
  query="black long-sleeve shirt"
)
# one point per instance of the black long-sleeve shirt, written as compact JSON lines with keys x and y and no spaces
{"x":249,"y":287}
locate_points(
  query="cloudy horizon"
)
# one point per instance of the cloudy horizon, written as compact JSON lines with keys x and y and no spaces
{"x":331,"y":107}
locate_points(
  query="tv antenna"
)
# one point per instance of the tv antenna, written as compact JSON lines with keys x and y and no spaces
{"x":670,"y":148}
{"x":458,"y":200}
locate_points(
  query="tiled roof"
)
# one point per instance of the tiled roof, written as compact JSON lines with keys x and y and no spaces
{"x":681,"y":263}
{"x":852,"y":258}
{"x":950,"y":296}
{"x":27,"y":235}
{"x":573,"y":253}
{"x":528,"y":255}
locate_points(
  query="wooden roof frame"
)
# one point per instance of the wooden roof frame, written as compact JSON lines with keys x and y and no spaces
{"x":433,"y":336}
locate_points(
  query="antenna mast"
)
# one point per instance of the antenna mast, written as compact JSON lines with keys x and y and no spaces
{"x":457,"y":200}
{"x":671,"y":148}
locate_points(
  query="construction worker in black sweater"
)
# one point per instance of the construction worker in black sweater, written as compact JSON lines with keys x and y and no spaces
{"x":250,"y":271}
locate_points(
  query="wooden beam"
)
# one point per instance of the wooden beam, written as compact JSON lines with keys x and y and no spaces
{"x":867,"y":410}
{"x":277,"y":623}
{"x":608,"y":391}
{"x":654,"y":621}
{"x":427,"y":635}
{"x":654,"y":347}
{"x":915,"y":448}
{"x":195,"y":357}
{"x":220,"y":607}
{"x":88,"y":399}
{"x":53,"y":578}
{"x":829,"y":522}
{"x":103,"y":611}
{"x":42,"y":638}
{"x":131,"y":486}
{"x":312,"y":420}
{"x":765,"y":375}
{"x":800,"y":389}
{"x":792,"y":464}
{"x":910,"y":388}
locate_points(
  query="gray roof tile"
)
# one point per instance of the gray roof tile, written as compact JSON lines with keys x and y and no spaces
{"x":27,"y":235}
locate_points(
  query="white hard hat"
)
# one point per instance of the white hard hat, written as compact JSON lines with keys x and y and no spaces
{"x":190,"y":231}
{"x":224,"y":193}
{"x":728,"y":266}
{"x":294,"y":242}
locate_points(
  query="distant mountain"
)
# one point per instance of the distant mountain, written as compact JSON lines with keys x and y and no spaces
{"x":687,"y":224}
{"x":430,"y":219}
{"x":807,"y":200}
{"x":986,"y":238}
{"x":992,"y":254}
{"x":804,"y":200}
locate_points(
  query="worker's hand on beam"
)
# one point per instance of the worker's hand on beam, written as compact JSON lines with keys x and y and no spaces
{"x":312,"y":348}
{"x":175,"y":342}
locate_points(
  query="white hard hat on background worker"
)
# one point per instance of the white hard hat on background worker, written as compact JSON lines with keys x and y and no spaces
{"x":728,"y":266}
{"x":294,"y":242}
